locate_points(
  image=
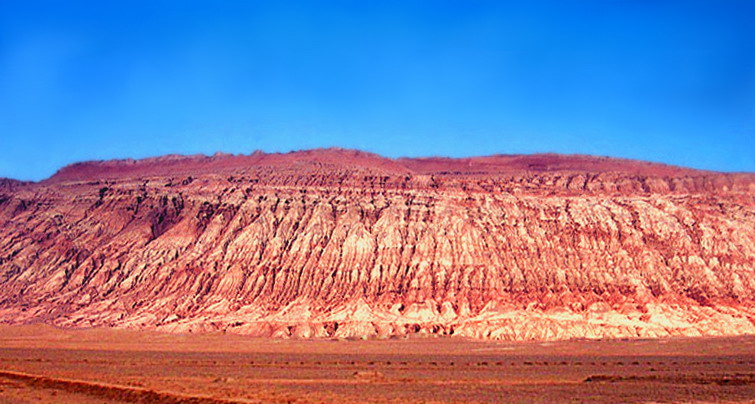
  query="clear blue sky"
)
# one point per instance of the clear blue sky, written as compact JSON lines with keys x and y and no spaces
{"x":670,"y":81}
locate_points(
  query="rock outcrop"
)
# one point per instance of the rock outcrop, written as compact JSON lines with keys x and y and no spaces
{"x":340,"y":243}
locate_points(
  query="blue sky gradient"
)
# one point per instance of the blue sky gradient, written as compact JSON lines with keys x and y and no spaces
{"x":668,"y":81}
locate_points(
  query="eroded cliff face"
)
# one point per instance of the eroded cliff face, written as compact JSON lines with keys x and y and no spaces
{"x":338,"y":243}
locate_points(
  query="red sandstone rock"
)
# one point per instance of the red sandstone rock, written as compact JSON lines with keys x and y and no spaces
{"x":341,"y":243}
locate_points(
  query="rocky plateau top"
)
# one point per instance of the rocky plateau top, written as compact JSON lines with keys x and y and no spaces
{"x":340,"y":243}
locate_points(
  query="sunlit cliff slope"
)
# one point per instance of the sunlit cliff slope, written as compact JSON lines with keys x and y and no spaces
{"x":341,"y":243}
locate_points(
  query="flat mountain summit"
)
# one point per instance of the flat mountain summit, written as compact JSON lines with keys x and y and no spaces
{"x":347,"y":244}
{"x":355,"y":159}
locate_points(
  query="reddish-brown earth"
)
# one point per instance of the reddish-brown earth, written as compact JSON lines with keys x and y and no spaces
{"x":43,"y":364}
{"x":340,"y":243}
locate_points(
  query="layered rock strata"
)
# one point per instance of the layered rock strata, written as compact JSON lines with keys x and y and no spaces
{"x":340,"y":243}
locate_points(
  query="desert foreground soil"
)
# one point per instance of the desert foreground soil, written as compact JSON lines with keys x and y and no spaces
{"x":45,"y":364}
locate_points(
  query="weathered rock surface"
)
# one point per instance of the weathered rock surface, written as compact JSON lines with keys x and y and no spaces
{"x":339,"y":243}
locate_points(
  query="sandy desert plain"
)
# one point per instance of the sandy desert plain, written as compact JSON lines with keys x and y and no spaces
{"x":40,"y":363}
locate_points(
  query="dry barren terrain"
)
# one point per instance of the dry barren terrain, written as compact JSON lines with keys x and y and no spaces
{"x":345,"y":244}
{"x":45,"y":364}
